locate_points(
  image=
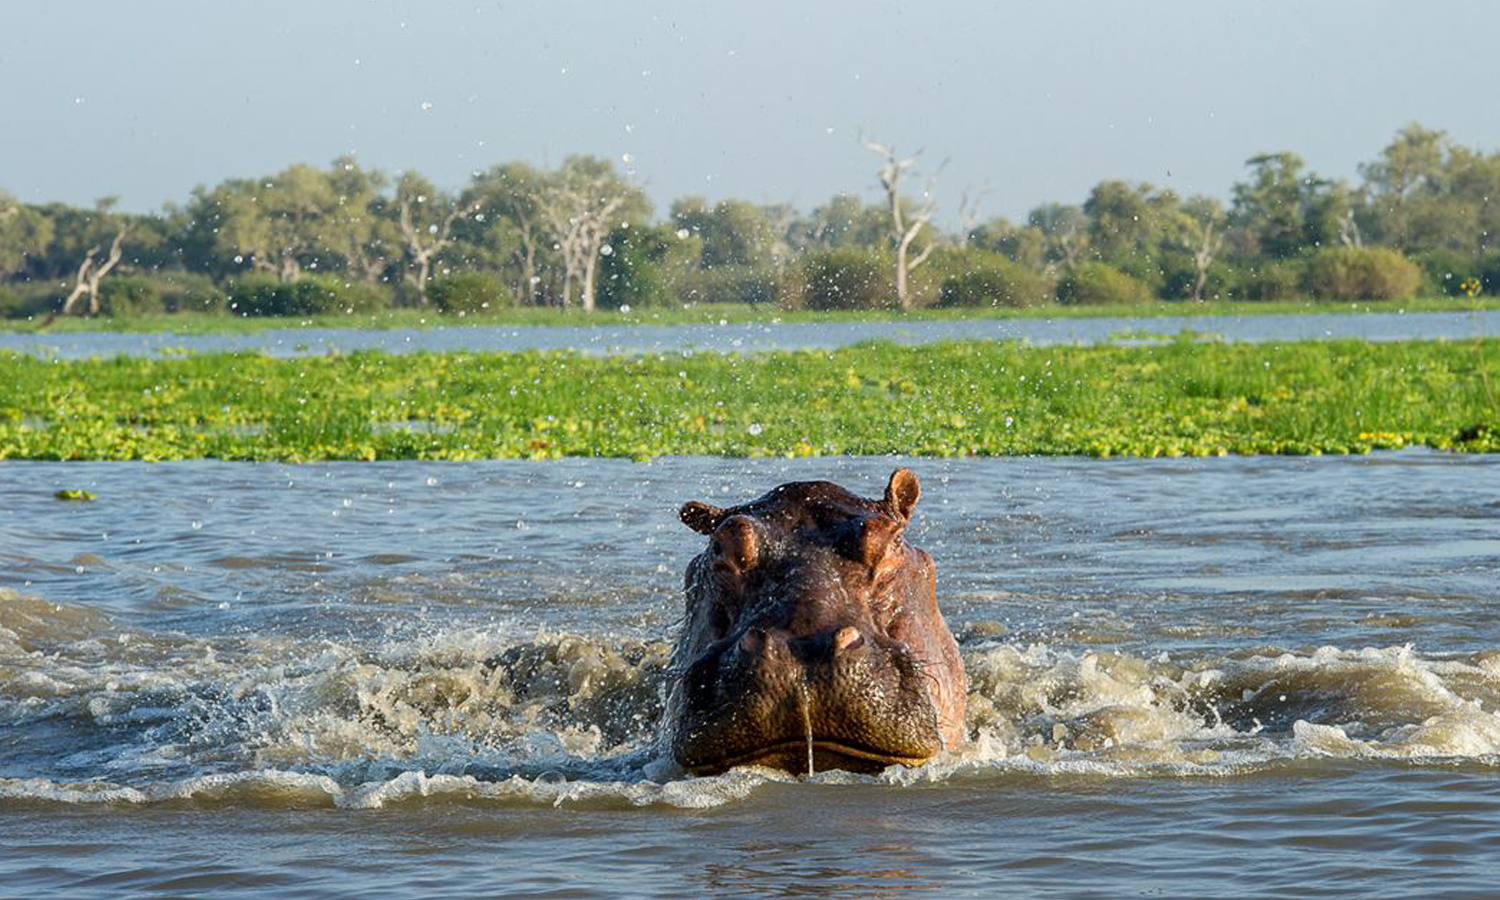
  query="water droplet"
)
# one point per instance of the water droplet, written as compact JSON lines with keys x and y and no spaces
{"x":606,"y":250}
{"x":754,"y":429}
{"x":426,"y":105}
{"x":197,"y":525}
{"x":238,"y":259}
{"x":1009,"y":421}
{"x":624,"y":307}
{"x":431,"y":481}
{"x":682,"y":233}
{"x":626,"y":158}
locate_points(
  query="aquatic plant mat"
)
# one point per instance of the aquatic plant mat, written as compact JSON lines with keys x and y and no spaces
{"x":967,"y":398}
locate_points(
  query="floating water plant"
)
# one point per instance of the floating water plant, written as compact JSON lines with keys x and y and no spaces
{"x":966,"y":398}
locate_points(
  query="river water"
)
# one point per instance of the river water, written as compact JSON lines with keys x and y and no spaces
{"x":759,"y":337}
{"x":1237,"y":677}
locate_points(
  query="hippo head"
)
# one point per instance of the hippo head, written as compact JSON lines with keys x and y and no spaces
{"x":812,"y":638}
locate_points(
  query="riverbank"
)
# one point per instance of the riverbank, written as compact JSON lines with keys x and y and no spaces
{"x":950,"y":399}
{"x":711,"y":313}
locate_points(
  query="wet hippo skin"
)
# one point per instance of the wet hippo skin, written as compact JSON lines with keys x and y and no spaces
{"x":812,"y":637}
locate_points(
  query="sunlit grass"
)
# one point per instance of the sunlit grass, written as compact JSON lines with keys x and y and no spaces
{"x":978,"y":398}
{"x":707,"y":313}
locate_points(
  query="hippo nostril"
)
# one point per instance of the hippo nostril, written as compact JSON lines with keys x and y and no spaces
{"x":847,"y":638}
{"x":753,"y":641}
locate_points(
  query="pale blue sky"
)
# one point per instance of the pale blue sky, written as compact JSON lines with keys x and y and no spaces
{"x":762,"y":100}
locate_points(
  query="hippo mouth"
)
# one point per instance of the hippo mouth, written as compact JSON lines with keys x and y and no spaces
{"x":819,"y":754}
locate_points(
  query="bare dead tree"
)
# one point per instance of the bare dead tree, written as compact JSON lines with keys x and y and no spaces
{"x":578,"y":217}
{"x":528,"y":242}
{"x":424,"y":245}
{"x":906,"y":225}
{"x":1349,"y":234}
{"x":1205,"y":247}
{"x":968,"y":210}
{"x":90,"y":272}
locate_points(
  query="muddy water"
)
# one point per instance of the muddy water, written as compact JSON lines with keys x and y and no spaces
{"x":761,"y":337}
{"x":1235,"y":677}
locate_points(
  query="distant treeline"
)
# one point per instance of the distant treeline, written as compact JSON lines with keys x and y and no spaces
{"x":1423,"y":218}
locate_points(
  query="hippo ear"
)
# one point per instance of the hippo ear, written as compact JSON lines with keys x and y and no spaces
{"x":700,"y":517}
{"x":901,"y":494}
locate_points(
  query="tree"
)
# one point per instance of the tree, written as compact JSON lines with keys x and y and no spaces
{"x":1121,"y":218}
{"x":905,"y":224}
{"x":1330,"y":215}
{"x":23,"y":233}
{"x":1202,"y":230}
{"x":1410,"y":164}
{"x":844,"y":221}
{"x":1427,"y":195}
{"x":354,"y":228}
{"x":581,"y":204}
{"x":426,"y":216}
{"x":734,"y":232}
{"x":508,"y":224}
{"x":1024,"y":244}
{"x":97,"y":261}
{"x":647,"y":264}
{"x":1273,"y":204}
{"x":1065,"y":228}
{"x":276,"y":224}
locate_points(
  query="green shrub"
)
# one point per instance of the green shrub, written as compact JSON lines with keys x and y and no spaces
{"x":649,"y":265}
{"x":1100,"y":284}
{"x":996,"y":281}
{"x":1180,"y":272}
{"x":790,"y":286}
{"x":1444,"y":271}
{"x":258,"y":294}
{"x":30,"y":299}
{"x":467,"y":292}
{"x":129,"y":295}
{"x":849,"y":278}
{"x":1489,"y":275}
{"x":1349,"y":274}
{"x":191,"y":292}
{"x":1145,"y":268}
{"x":1272,"y":281}
{"x":729,"y":284}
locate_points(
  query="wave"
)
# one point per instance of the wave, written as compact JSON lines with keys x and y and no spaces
{"x":113,"y":714}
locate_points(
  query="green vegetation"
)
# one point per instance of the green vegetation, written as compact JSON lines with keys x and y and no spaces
{"x":1181,"y":398}
{"x":516,"y":242}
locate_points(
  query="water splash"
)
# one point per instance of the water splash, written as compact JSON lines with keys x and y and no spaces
{"x":803,"y":705}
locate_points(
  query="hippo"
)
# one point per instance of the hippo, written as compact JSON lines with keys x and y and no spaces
{"x":812,"y":638}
